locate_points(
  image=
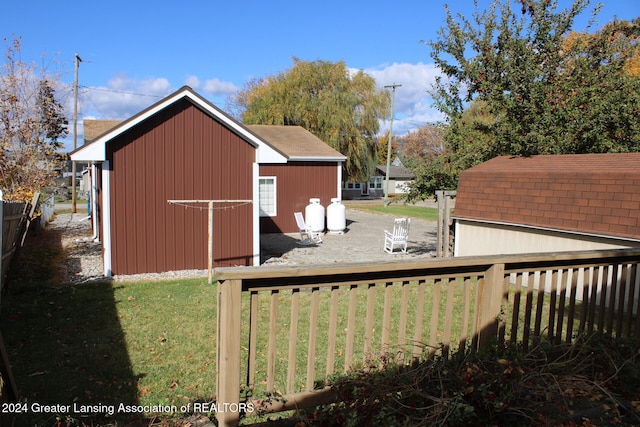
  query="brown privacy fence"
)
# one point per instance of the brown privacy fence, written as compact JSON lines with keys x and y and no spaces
{"x":15,"y":218}
{"x":284,"y":330}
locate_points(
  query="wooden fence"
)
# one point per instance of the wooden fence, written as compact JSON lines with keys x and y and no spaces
{"x":285,"y":329}
{"x":14,"y":218}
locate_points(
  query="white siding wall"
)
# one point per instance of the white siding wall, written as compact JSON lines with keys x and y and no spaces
{"x":478,"y":238}
{"x":400,"y":187}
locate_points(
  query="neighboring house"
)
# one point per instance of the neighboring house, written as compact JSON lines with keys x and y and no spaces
{"x":548,"y":203}
{"x":185,"y":148}
{"x":399,"y":177}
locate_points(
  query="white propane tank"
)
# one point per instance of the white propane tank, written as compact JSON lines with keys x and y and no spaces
{"x":314,"y":215}
{"x":336,"y":217}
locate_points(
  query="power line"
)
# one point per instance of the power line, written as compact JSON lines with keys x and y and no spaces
{"x":121,"y":92}
{"x":93,"y":103}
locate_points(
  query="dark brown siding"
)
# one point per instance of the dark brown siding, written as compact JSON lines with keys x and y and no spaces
{"x":297,"y":182}
{"x":179,"y":153}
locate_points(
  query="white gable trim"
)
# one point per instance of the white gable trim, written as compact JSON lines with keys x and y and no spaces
{"x":96,"y":150}
{"x":317,"y":159}
{"x":106,"y":219}
{"x":256,"y":214}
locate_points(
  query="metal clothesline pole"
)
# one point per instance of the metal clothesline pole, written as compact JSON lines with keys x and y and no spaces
{"x":210,"y":210}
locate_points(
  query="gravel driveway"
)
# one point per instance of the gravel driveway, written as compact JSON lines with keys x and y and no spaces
{"x":362,"y":241}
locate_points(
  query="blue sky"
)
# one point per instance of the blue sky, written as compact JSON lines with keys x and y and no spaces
{"x":136,"y":52}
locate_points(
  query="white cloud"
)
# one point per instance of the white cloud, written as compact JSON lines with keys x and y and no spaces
{"x":120,"y":99}
{"x":412,"y":104}
{"x":123,"y":96}
{"x":217,"y":87}
{"x":193,"y":82}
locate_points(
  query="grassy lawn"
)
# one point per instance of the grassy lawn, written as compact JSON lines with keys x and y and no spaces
{"x":169,"y":330}
{"x":137,"y":343}
{"x":81,"y":207}
{"x":397,"y":209}
{"x":131,"y":343}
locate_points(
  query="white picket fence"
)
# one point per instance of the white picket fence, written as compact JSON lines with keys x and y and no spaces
{"x":47,"y":208}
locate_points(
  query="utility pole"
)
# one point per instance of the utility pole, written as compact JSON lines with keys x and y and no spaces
{"x":75,"y":133}
{"x":386,"y":177}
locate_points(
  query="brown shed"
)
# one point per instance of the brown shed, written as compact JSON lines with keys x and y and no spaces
{"x":185,"y":148}
{"x":548,"y":203}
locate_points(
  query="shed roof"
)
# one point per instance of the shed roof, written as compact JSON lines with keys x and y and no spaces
{"x":95,"y":128}
{"x":396,"y":171}
{"x":595,"y":194}
{"x":296,"y":142}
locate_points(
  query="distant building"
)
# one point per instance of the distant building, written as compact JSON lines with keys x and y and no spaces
{"x":399,"y":177}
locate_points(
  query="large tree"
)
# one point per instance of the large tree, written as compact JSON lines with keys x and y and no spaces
{"x":32,"y":122}
{"x":341,"y":107}
{"x":464,"y":142}
{"x":421,"y":144}
{"x":540,"y":88}
{"x":383,"y":148}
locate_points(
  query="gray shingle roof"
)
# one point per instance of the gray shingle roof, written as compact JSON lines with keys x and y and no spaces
{"x":396,"y":172}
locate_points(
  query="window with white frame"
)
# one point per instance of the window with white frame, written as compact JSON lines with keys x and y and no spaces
{"x":352,"y":185}
{"x":267,"y":194}
{"x":375,"y":182}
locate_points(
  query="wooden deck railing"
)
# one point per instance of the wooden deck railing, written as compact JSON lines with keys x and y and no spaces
{"x":284,"y":330}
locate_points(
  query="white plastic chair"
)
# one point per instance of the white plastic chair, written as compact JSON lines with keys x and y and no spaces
{"x":307,"y":236}
{"x":399,"y":236}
